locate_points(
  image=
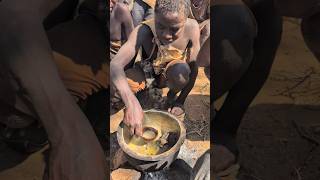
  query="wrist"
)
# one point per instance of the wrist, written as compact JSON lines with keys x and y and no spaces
{"x":179,"y":101}
{"x":128,"y":98}
{"x":178,"y":104}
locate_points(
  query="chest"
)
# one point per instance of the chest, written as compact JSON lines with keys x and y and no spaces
{"x":115,"y":27}
{"x":150,"y":49}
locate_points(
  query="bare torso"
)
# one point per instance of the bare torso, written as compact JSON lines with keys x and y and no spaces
{"x":116,"y":22}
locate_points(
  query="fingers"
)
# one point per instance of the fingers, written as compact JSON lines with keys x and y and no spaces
{"x":177,"y":111}
{"x":131,"y":130}
{"x":135,"y":127}
{"x":133,"y":120}
{"x":138,"y":130}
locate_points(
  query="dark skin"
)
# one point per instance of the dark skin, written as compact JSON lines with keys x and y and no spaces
{"x":222,"y":156}
{"x":203,"y":59}
{"x":242,"y":91}
{"x":120,"y":18}
{"x":171,"y":28}
{"x":28,"y":55}
{"x":200,"y":11}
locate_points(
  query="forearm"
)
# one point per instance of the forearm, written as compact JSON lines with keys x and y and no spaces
{"x":192,"y":79}
{"x":119,"y":81}
{"x":28,"y":55}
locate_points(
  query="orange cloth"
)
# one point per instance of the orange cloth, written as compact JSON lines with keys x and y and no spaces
{"x":80,"y":79}
{"x":136,"y":86}
{"x":136,"y":79}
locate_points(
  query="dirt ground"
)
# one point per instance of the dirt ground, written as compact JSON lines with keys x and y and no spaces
{"x":280,"y":135}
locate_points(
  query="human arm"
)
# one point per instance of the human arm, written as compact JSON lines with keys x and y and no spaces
{"x":25,"y":51}
{"x":133,"y":112}
{"x":195,"y":35}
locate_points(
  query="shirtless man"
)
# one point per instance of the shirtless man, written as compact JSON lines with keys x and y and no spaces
{"x":170,"y":44}
{"x":30,"y":76}
{"x":121,"y":26}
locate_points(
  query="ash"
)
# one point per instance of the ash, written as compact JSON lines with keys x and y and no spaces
{"x":158,"y":175}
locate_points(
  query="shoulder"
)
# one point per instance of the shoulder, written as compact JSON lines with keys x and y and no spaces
{"x":192,"y":24}
{"x":140,"y":35}
{"x":121,"y":10}
{"x":121,"y":7}
{"x":191,"y":27}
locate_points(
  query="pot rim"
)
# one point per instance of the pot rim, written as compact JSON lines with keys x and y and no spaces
{"x":171,"y":151}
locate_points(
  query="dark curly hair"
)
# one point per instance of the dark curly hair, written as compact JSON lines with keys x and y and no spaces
{"x":173,"y":6}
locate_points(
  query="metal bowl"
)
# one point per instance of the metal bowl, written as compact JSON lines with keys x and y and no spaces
{"x":164,"y":122}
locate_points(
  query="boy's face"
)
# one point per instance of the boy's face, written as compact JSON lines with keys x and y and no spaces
{"x":169,"y":27}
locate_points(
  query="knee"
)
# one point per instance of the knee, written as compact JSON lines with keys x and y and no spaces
{"x":177,"y":74}
{"x":234,"y":31}
{"x":236,"y":20}
{"x":234,"y":24}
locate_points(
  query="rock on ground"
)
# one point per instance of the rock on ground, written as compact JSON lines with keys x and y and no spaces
{"x":125,"y":174}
